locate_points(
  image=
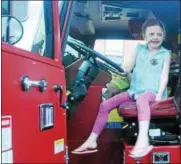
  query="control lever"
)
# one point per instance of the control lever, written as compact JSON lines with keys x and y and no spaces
{"x":60,"y":89}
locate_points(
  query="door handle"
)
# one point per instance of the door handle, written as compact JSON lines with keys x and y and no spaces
{"x":60,"y":89}
{"x":26,"y":84}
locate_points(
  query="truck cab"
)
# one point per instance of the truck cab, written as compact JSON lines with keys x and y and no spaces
{"x":58,"y":59}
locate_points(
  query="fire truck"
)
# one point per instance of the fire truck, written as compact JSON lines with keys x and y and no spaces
{"x":53,"y":80}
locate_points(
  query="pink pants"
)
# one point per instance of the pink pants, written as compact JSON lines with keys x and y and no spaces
{"x":142,"y":104}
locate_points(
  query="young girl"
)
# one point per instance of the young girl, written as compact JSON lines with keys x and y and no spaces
{"x":149,"y":81}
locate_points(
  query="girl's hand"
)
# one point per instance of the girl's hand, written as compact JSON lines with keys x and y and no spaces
{"x":124,"y":74}
{"x":158,"y":97}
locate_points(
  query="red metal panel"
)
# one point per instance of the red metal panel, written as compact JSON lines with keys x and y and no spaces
{"x":66,"y":21}
{"x":56,"y":23}
{"x":173,"y":150}
{"x":30,"y":55}
{"x":80,"y":126}
{"x":29,"y":144}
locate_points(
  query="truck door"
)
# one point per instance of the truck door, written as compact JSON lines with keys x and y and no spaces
{"x":33,"y":83}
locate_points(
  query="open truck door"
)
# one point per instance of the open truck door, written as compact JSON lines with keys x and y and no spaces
{"x":33,"y":82}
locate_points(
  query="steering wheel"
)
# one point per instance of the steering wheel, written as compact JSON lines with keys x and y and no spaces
{"x":100,"y":60}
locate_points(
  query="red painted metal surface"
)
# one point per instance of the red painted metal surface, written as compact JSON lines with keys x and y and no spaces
{"x":66,"y":20}
{"x":80,"y":126}
{"x":174,"y":151}
{"x":29,"y":144}
{"x":29,"y":55}
{"x":57,"y":37}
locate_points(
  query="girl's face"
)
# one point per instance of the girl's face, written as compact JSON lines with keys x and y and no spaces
{"x":154,"y":36}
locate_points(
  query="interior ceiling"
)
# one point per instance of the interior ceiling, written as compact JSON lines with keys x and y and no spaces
{"x":88,"y":16}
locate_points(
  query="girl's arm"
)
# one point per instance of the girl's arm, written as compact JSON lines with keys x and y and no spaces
{"x":129,"y":64}
{"x":164,"y":78}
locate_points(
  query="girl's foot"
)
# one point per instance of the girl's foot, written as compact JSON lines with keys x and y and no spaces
{"x":88,"y":147}
{"x":139,"y":147}
{"x":141,"y":152}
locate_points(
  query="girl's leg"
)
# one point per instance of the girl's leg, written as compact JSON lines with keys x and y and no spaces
{"x":144,"y":115}
{"x":101,"y":119}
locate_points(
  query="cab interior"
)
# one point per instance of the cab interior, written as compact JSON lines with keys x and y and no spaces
{"x":88,"y":71}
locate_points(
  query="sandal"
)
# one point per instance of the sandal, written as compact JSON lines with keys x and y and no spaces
{"x":85,"y":151}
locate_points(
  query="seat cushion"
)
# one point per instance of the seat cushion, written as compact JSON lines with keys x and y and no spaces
{"x":160,"y":108}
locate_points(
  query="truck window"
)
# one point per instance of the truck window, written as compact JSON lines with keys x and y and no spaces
{"x":71,"y":55}
{"x":113,"y":49}
{"x":5,"y":8}
{"x":20,"y":10}
{"x":119,"y":51}
{"x":37,"y":34}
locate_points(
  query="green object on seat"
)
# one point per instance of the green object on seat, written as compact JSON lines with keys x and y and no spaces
{"x":120,"y":82}
{"x":169,"y":90}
